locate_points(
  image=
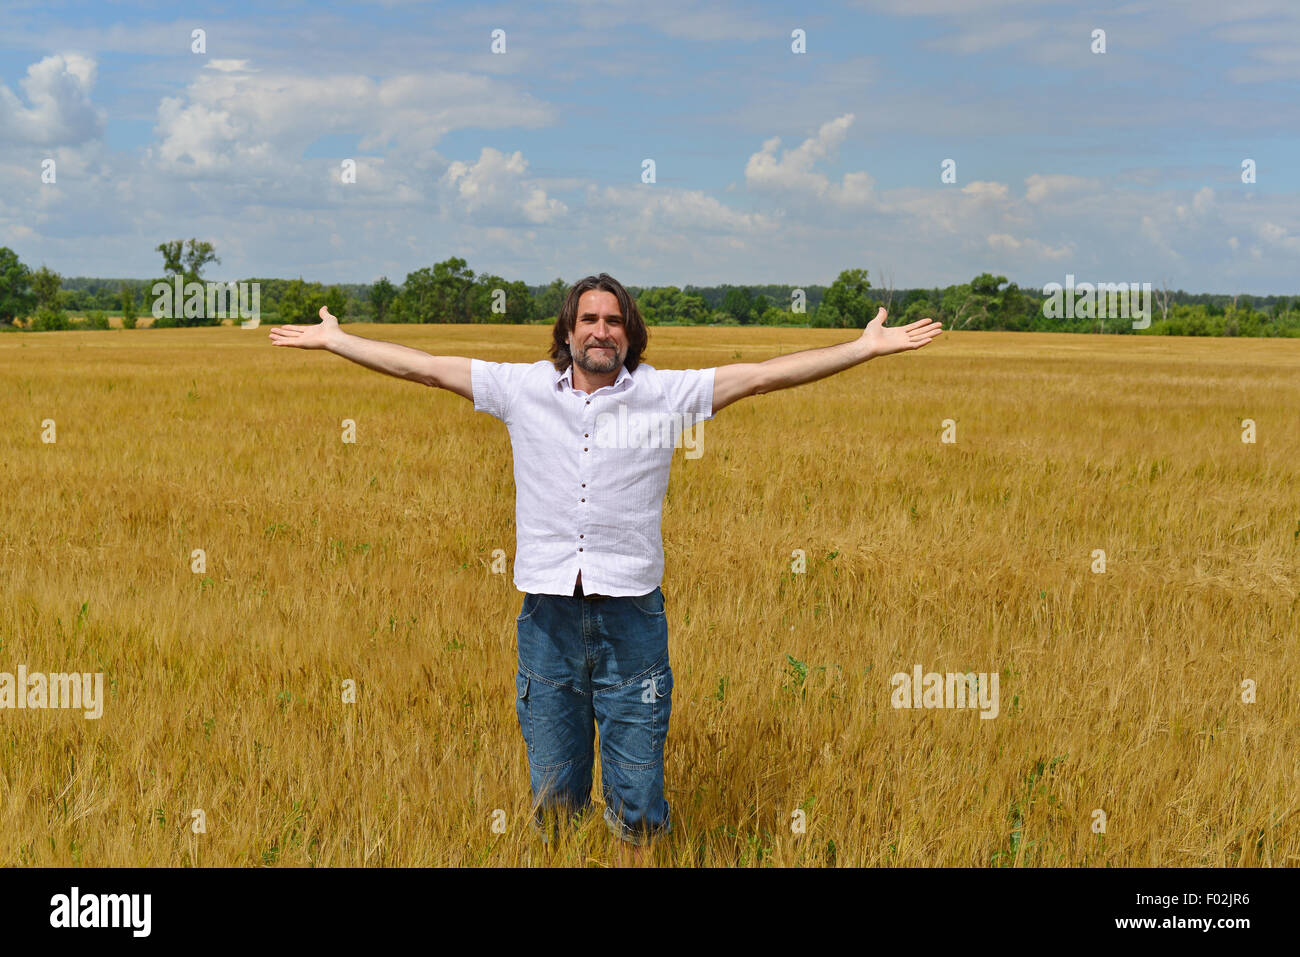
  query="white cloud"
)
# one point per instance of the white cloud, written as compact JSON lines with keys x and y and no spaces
{"x":246,"y":124}
{"x":495,"y":186}
{"x":986,"y":191}
{"x":1006,"y":243}
{"x":228,"y":66}
{"x":61,"y":112}
{"x":647,"y":208}
{"x":793,"y":170}
{"x":1276,"y":235}
{"x":1039,"y":187}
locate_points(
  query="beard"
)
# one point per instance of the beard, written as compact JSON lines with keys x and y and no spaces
{"x":600,"y":362}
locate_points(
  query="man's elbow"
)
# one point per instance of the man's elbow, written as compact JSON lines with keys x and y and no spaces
{"x":426,"y":373}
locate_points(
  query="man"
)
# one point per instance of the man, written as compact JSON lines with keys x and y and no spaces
{"x":592,"y":630}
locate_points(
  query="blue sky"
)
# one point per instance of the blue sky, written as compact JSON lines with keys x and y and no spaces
{"x":771,"y":166}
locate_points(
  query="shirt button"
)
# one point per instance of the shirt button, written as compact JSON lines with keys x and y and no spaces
{"x":584,"y":499}
{"x":586,"y":435}
{"x":579,"y":549}
{"x":584,"y":448}
{"x":582,"y":536}
{"x":584,"y":484}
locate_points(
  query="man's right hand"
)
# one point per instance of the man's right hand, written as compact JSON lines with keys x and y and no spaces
{"x":452,"y":373}
{"x":310,"y":337}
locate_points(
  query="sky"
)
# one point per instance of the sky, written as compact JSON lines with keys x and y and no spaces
{"x":770,"y":165}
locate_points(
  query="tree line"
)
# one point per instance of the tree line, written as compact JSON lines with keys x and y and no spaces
{"x":450,"y":292}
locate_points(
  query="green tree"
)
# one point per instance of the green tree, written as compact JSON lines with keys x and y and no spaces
{"x":956,"y":304}
{"x":187,"y":259}
{"x":417,"y":302}
{"x":660,"y":305}
{"x":301,"y":301}
{"x":440,"y":294}
{"x":826,"y":316}
{"x":128,"y":307}
{"x":382,"y":294}
{"x":738,"y":303}
{"x":483,"y":296}
{"x":47,"y":284}
{"x":172,"y":251}
{"x":49,"y":309}
{"x":519,"y":302}
{"x":980,"y":303}
{"x":848,"y":297}
{"x":197,"y":255}
{"x":77,"y":300}
{"x":550,"y":300}
{"x":336,"y":301}
{"x":692,"y":308}
{"x":453,"y":284}
{"x":16,"y":297}
{"x":918,"y":307}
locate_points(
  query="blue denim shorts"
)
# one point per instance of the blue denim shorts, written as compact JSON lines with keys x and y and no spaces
{"x":596,"y":662}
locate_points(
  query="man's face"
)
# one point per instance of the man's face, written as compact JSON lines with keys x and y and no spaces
{"x":598,"y":342}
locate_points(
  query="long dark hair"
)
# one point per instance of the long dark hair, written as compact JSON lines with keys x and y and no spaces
{"x":633,"y":324}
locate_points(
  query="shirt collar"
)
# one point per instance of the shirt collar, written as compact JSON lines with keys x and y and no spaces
{"x":564,"y":380}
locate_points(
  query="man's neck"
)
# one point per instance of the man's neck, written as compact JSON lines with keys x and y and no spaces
{"x":589,"y":382}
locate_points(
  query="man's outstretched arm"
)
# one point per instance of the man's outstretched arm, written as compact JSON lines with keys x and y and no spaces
{"x":445,"y":372}
{"x":741,"y":379}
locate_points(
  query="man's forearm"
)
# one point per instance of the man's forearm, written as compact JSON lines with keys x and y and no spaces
{"x":388,"y":357}
{"x":782,"y":372}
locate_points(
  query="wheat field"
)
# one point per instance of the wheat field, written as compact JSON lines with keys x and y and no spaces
{"x":1122,"y":694}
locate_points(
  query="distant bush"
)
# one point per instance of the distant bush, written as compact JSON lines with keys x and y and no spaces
{"x":48,"y":319}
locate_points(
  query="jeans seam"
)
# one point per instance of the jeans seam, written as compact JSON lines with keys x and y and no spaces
{"x":638,"y":677}
{"x":630,"y":767}
{"x":553,"y":767}
{"x":559,"y":686}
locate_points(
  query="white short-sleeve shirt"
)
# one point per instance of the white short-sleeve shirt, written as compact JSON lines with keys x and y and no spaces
{"x":591,"y":470}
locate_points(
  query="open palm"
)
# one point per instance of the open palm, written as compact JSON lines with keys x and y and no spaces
{"x":308,"y":337}
{"x":886,"y":340}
